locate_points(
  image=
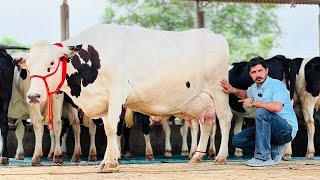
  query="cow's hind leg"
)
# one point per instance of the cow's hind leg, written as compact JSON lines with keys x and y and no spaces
{"x":212,"y":147}
{"x":237,"y":128}
{"x":287,"y":151}
{"x":202,"y":147}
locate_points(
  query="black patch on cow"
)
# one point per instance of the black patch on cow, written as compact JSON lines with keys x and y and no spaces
{"x":312,"y":76}
{"x":86,"y":74}
{"x":23,"y":73}
{"x":68,"y":100}
{"x":6,"y":78}
{"x":188,"y":84}
{"x":294,"y":66}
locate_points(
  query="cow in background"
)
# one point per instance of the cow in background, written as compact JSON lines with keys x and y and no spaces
{"x":306,"y":90}
{"x":6,"y":78}
{"x":20,"y":109}
{"x":240,"y":79}
{"x":111,"y":59}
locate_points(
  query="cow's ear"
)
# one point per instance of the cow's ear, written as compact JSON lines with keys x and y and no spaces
{"x":70,"y":51}
{"x":20,"y":60}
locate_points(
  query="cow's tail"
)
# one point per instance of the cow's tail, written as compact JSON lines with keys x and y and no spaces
{"x":129,"y":118}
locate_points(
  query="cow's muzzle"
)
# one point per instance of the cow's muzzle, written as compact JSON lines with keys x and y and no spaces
{"x":34,"y":98}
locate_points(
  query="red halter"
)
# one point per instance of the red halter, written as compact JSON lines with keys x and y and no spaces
{"x":50,"y":93}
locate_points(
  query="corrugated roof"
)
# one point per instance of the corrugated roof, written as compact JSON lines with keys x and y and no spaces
{"x":314,"y":2}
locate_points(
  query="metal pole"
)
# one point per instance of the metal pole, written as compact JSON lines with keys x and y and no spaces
{"x":64,"y":10}
{"x":200,"y":16}
{"x":319,"y":28}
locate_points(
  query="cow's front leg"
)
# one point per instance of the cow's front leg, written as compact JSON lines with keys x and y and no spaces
{"x":110,"y":162}
{"x":20,"y":130}
{"x":37,"y":121}
{"x":75,"y":123}
{"x":202,"y":146}
{"x":52,"y":145}
{"x":57,"y":110}
{"x":93,"y":151}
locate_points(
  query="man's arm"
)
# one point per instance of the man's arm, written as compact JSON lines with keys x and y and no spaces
{"x":273,"y":107}
{"x":227,"y":88}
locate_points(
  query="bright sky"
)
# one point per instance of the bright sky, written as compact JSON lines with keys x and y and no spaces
{"x":32,"y":20}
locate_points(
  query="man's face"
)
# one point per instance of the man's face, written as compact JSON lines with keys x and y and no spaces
{"x":258,"y":74}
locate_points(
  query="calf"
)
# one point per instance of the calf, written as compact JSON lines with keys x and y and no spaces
{"x":20,"y":109}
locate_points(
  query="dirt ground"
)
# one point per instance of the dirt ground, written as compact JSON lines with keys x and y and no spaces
{"x":307,"y":169}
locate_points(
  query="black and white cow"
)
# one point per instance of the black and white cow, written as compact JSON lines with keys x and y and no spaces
{"x":239,"y":78}
{"x":306,"y":89}
{"x":109,"y":71}
{"x":6,"y":77}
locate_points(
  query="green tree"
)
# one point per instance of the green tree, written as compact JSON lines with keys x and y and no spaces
{"x":251,"y":29}
{"x":9,"y":41}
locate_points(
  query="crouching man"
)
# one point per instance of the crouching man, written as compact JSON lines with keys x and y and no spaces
{"x":275,"y":120}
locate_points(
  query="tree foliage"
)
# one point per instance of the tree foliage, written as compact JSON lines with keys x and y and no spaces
{"x":251,"y":29}
{"x":9,"y":41}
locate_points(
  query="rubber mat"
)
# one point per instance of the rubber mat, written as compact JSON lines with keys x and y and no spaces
{"x":133,"y":160}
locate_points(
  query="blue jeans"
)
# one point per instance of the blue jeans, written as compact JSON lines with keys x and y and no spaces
{"x":270,"y":132}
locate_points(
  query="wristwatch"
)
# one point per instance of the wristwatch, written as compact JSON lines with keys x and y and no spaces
{"x":251,"y":103}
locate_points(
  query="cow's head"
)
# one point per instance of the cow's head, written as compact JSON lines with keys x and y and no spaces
{"x":312,"y":76}
{"x":42,"y":60}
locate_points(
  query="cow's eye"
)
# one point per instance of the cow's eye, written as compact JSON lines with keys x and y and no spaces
{"x":52,"y":63}
{"x":48,"y":69}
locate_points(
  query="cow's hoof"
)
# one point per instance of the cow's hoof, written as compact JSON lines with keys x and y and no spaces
{"x":212,"y":156}
{"x":64,"y":154}
{"x":221,"y":160}
{"x":149,"y":157}
{"x":92,"y":157}
{"x":4,"y":160}
{"x":50,"y":156}
{"x":185,"y":153}
{"x":310,"y":155}
{"x":75,"y":158}
{"x":287,"y":157}
{"x":57,"y":159}
{"x":191,"y":155}
{"x":19,"y":156}
{"x":195,"y":160}
{"x":108,"y":168}
{"x":167,"y":154}
{"x":238,"y":153}
{"x":127,"y":155}
{"x":36,"y":161}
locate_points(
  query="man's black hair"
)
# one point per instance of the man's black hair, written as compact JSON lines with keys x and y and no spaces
{"x":255,"y":61}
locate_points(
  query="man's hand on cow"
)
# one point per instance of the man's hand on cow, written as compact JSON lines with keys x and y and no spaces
{"x":226,"y":86}
{"x":248,"y":102}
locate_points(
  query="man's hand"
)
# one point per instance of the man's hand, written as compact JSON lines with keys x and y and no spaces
{"x":226,"y":86}
{"x":248,"y":102}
